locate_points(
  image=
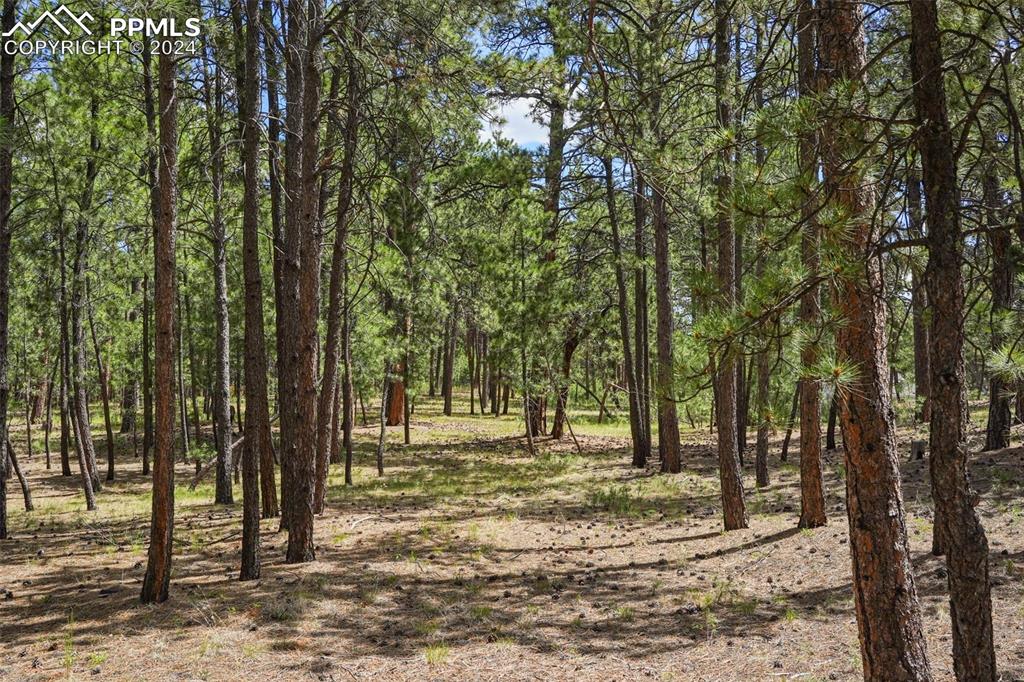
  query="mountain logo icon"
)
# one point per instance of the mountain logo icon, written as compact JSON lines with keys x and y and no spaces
{"x":69,"y":18}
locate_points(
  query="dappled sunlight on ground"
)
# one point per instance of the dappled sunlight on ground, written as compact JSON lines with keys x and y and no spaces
{"x":471,"y":559}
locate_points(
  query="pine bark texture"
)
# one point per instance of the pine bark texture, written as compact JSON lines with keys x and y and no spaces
{"x":156,"y":584}
{"x":258,"y":441}
{"x":959,"y":526}
{"x":303,"y":235}
{"x":885,"y":595}
{"x":812,"y":486}
{"x":727,"y":405}
{"x":223,"y":493}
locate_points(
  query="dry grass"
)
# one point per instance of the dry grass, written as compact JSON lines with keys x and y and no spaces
{"x":471,"y":560}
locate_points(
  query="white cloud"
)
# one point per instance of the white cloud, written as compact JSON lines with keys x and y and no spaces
{"x":518,"y":123}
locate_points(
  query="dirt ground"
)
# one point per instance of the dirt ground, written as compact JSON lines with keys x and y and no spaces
{"x":470,"y":560}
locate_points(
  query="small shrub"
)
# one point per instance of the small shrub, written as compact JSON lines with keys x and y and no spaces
{"x":437,"y":653}
{"x":616,"y":500}
{"x":625,"y":613}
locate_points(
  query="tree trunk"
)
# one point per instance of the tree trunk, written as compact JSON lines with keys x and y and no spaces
{"x":470,"y":361}
{"x":918,"y":300}
{"x":214,"y":101}
{"x":335,"y":454}
{"x":763,"y":420}
{"x":569,"y":345}
{"x":339,"y":414}
{"x":193,"y":370}
{"x":347,"y":403}
{"x":156,"y":583}
{"x":962,"y":534}
{"x":258,"y":448}
{"x":641,"y":330}
{"x":830,"y":435}
{"x":37,"y":400}
{"x":668,"y":422}
{"x":885,"y":596}
{"x":129,"y":404}
{"x":383,"y":430}
{"x":65,"y":414}
{"x":762,"y":368}
{"x":447,"y":378}
{"x":30,"y":401}
{"x":494,"y":383}
{"x":152,"y":169}
{"x":285,"y":248}
{"x":180,"y":347}
{"x":997,"y":432}
{"x":104,"y":376}
{"x":431,"y":375}
{"x":742,"y":379}
{"x":636,"y":423}
{"x":80,"y":401}
{"x":439,"y":359}
{"x":7,"y":18}
{"x":407,"y":381}
{"x":337,"y":294}
{"x":812,"y":485}
{"x":71,"y":416}
{"x":48,"y":414}
{"x":147,"y":380}
{"x":484,"y":370}
{"x":303,"y":236}
{"x":733,"y":511}
{"x":395,"y":410}
{"x":784,"y":454}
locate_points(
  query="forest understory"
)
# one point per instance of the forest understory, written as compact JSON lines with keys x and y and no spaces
{"x":473,"y":560}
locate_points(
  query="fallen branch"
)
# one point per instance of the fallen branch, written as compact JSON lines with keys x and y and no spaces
{"x":599,"y":401}
{"x":355,"y":523}
{"x":12,"y":458}
{"x":205,"y":469}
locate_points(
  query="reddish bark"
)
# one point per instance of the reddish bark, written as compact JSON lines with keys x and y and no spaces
{"x":885,"y":596}
{"x":156,"y":583}
{"x":812,"y":492}
{"x":395,"y":410}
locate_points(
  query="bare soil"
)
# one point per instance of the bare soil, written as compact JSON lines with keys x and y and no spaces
{"x":471,"y":560}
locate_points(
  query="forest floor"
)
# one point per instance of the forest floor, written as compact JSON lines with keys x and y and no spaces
{"x":471,"y":560}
